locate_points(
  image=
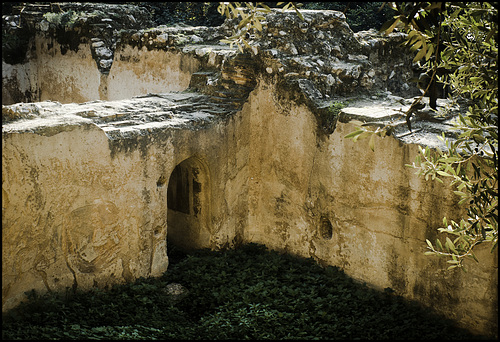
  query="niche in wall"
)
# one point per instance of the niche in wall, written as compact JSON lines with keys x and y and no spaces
{"x":188,"y":206}
{"x":325,"y":228}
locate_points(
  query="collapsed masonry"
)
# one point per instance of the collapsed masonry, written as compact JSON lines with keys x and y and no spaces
{"x":116,"y":140}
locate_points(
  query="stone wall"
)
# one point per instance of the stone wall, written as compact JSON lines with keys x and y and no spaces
{"x":74,"y":76}
{"x":84,"y":207}
{"x":335,"y":200}
{"x":178,"y":138}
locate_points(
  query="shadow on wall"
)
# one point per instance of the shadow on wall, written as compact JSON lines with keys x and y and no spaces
{"x":188,"y":206}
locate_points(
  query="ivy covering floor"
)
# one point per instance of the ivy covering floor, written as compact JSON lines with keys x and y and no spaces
{"x":246,"y":293}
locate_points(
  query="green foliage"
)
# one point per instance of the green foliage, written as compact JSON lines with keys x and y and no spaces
{"x":470,"y":55}
{"x":251,"y":20}
{"x":456,"y":43}
{"x":328,"y":118}
{"x":189,"y":13}
{"x":336,"y":107}
{"x":359,"y":15}
{"x":362,"y":132}
{"x":243,"y":294}
{"x":62,"y":19}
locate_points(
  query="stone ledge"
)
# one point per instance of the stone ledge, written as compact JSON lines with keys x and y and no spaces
{"x":144,"y":114}
{"x":141,"y":114}
{"x":426,"y":124}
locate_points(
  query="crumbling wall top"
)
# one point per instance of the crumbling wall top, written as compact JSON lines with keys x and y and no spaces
{"x":136,"y":116}
{"x":319,"y":61}
{"x":71,"y":23}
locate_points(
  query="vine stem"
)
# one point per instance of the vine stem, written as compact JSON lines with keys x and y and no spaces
{"x":408,"y":112}
{"x":459,"y":256}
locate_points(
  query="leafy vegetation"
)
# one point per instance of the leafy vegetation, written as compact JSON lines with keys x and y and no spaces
{"x":336,"y":107}
{"x":456,"y":45}
{"x":188,"y":13}
{"x":245,"y":293}
{"x":62,"y":19}
{"x":470,"y":55}
{"x":251,"y":16}
{"x":361,"y":15}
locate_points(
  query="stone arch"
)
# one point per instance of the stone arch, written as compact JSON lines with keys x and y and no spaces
{"x":188,"y":196}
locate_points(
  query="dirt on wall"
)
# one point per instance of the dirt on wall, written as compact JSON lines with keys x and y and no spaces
{"x":166,"y":132}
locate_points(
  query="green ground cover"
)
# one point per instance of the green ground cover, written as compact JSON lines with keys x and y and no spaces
{"x":246,"y":293}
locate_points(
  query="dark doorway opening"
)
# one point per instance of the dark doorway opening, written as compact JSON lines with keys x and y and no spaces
{"x":188,"y":208}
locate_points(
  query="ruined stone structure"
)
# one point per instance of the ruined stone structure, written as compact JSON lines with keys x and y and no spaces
{"x":118,"y":137}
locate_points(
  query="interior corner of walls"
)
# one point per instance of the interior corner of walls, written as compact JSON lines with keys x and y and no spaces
{"x":159,"y":263}
{"x":103,"y":87}
{"x":188,"y":64}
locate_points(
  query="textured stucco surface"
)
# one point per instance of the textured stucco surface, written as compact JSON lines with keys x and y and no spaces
{"x":85,"y":203}
{"x":380,"y":211}
{"x":82,"y":210}
{"x":85,"y":180}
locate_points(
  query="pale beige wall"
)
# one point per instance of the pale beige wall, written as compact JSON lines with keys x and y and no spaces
{"x":19,"y":83}
{"x":74,"y":215}
{"x":72,"y":77}
{"x":281,"y":154}
{"x":380,"y":211}
{"x":140,"y":71}
{"x":78,"y":208}
{"x":75,"y":77}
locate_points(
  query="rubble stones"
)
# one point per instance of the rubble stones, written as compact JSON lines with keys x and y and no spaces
{"x":319,"y":59}
{"x":81,"y":22}
{"x":176,"y":291}
{"x":356,"y":56}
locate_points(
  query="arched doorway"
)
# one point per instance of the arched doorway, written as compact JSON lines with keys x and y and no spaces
{"x":188,"y":197}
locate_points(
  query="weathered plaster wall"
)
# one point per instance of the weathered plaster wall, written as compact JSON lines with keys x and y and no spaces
{"x":85,"y":206}
{"x":380,"y":211}
{"x":65,"y":75}
{"x":143,"y":71}
{"x":74,"y":77}
{"x":80,"y":210}
{"x":19,"y":83}
{"x":74,"y":216}
{"x":283,"y":144}
{"x":50,"y":74}
{"x":65,"y":47}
